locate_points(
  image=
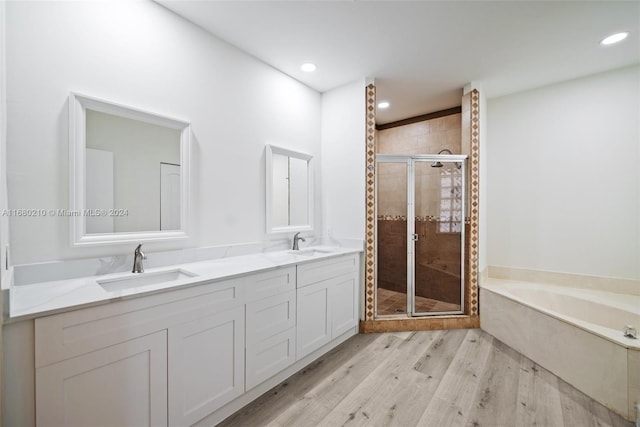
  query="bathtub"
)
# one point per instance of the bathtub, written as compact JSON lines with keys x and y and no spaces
{"x":575,"y":333}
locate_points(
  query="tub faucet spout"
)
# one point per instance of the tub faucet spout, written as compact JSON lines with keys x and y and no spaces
{"x":138,"y":256}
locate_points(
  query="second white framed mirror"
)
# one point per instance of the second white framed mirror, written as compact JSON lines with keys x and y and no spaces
{"x":289,"y":190}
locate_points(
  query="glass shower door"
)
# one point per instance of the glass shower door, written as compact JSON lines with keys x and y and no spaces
{"x":391,"y":251}
{"x":437,"y":237}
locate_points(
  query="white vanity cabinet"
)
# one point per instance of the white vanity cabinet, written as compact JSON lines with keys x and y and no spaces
{"x":327,"y":301}
{"x":191,"y":355}
{"x":166,"y":359}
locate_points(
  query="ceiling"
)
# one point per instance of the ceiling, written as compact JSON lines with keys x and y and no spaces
{"x":422,"y":53}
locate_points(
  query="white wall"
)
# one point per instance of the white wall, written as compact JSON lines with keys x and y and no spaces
{"x":4,"y":223}
{"x":564,"y":177}
{"x":343,"y":161}
{"x":139,"y":54}
{"x":4,"y":220}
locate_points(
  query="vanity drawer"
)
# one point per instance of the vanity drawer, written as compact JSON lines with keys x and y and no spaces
{"x":318,"y":271}
{"x":270,"y":356}
{"x":269,"y":283}
{"x":65,"y":335}
{"x":270,"y":316}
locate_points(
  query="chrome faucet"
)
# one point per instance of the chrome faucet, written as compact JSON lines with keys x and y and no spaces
{"x":630,"y":332}
{"x":138,"y":256}
{"x":296,"y":239}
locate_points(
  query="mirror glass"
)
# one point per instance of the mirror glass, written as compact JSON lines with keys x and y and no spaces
{"x":289,"y":188}
{"x":129,"y":173}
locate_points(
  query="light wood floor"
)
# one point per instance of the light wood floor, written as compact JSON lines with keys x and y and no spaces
{"x":430,"y":378}
{"x":393,"y":302}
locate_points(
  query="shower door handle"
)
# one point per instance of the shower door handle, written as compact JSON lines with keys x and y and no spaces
{"x":414,"y":237}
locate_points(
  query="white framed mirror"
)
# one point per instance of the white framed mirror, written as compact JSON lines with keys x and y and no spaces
{"x":129,"y":173}
{"x":289,"y":192}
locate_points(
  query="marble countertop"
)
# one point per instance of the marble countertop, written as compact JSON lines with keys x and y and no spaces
{"x":46,"y":298}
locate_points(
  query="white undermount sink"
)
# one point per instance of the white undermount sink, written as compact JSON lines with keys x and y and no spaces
{"x":312,"y":251}
{"x":144,"y":279}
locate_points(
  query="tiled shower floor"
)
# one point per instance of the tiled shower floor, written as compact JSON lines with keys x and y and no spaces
{"x":392,"y":302}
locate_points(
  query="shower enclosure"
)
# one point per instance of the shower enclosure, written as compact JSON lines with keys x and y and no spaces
{"x":420,"y":234}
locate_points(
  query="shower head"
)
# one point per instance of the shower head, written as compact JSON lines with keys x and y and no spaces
{"x":438,"y":164}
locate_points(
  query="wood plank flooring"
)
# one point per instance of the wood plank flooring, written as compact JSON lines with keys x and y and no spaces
{"x":461,"y":377}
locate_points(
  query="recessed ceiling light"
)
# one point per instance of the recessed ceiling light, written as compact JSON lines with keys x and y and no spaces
{"x":614,"y":38}
{"x":383,"y":104}
{"x":308,"y":67}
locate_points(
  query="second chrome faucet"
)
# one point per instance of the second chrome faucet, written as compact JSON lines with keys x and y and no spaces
{"x":138,"y":256}
{"x":296,"y":240}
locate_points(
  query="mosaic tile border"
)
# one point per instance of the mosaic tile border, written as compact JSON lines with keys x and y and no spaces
{"x":428,"y":218}
{"x":370,"y":241}
{"x":471,"y":290}
{"x":474,"y":214}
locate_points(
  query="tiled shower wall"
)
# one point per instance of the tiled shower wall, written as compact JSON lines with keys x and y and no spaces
{"x":426,"y":137}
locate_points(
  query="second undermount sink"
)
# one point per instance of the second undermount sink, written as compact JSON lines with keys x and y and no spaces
{"x":312,"y":251}
{"x":144,"y":279}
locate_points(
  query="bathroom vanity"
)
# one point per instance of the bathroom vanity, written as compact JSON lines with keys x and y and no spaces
{"x":190,"y":352}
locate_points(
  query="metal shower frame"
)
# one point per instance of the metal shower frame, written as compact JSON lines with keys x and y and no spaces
{"x":410,"y":160}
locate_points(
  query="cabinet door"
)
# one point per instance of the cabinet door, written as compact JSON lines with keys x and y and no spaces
{"x":314,"y":318}
{"x":343,"y":302}
{"x":121,"y":385}
{"x":206,"y":365}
